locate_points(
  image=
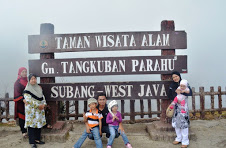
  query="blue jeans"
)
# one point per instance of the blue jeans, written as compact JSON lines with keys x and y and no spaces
{"x":112,"y":136}
{"x":94,"y":133}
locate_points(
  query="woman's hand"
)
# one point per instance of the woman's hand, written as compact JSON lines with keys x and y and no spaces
{"x":25,"y":102}
{"x":41,"y":107}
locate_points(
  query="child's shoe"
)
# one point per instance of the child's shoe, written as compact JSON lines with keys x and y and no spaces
{"x":108,"y":146}
{"x":128,"y":145}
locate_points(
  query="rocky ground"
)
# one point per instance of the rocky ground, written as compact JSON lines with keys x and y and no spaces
{"x":210,"y":134}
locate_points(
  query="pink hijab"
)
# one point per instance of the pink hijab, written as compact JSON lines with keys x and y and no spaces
{"x":23,"y":80}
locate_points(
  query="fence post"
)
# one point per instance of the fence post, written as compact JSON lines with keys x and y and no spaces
{"x":1,"y":110}
{"x":193,"y":101}
{"x":149,"y":108}
{"x":49,"y":29}
{"x":85,"y":106}
{"x":67,"y":110}
{"x":76,"y":110}
{"x":202,"y":102}
{"x":122,"y":108}
{"x":219,"y":100}
{"x":212,"y":98}
{"x":142,"y":108}
{"x":158,"y":107}
{"x":132,"y":111}
{"x":7,"y":106}
{"x":166,"y":26}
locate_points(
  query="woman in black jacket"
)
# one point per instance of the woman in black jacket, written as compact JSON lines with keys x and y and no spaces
{"x":180,"y":121}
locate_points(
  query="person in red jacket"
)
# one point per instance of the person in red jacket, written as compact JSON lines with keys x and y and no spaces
{"x":19,"y":87}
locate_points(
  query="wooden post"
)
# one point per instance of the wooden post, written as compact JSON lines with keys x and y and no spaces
{"x":166,"y":26}
{"x":122,"y":108}
{"x":7,"y":106}
{"x":158,"y":107}
{"x":85,"y":106}
{"x":0,"y":111}
{"x":76,"y":110}
{"x":202,"y":102}
{"x":149,"y":108}
{"x":142,"y":108}
{"x":212,"y":98}
{"x":132,"y":111}
{"x":193,"y":101}
{"x":49,"y":29}
{"x":219,"y":100}
{"x":67,"y":110}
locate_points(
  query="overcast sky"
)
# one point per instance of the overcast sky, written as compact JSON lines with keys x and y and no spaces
{"x":203,"y":20}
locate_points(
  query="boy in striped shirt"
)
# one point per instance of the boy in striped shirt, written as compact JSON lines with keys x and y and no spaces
{"x":93,"y":128}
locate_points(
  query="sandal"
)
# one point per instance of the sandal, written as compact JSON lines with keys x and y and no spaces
{"x":39,"y":142}
{"x":24,"y":135}
{"x":49,"y":126}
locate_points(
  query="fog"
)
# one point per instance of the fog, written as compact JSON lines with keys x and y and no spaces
{"x":203,"y":20}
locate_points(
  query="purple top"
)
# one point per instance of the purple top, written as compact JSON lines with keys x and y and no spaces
{"x":115,"y":122}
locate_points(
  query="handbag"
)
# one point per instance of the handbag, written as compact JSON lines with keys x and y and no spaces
{"x":169,"y":111}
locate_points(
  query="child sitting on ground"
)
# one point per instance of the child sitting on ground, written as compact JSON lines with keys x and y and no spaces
{"x":113,"y":119}
{"x":180,"y":97}
{"x":93,"y":117}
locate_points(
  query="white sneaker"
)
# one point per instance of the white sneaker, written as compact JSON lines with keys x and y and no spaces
{"x":108,"y":146}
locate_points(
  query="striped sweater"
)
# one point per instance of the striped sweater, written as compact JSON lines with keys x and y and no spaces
{"x":93,"y":118}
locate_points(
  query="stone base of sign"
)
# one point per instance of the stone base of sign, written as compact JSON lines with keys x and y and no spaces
{"x":160,"y":131}
{"x":59,"y":132}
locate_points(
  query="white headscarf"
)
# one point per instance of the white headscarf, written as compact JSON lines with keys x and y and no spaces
{"x":110,"y":105}
{"x":184,"y":82}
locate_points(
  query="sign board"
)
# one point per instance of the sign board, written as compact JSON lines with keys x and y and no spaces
{"x":108,"y":66}
{"x":113,"y":90}
{"x":109,"y":41}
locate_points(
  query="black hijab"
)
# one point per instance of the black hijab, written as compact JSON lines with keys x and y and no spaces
{"x":176,"y":84}
{"x":173,"y":86}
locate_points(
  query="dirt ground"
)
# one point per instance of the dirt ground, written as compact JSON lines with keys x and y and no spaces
{"x":210,"y":134}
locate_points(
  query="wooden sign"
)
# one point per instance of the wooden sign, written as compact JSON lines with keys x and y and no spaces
{"x":109,"y":41}
{"x":108,"y":66}
{"x":113,"y":90}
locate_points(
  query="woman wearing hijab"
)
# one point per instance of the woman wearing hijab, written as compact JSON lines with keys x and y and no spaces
{"x":19,"y":86}
{"x":180,"y":121}
{"x":34,"y":110}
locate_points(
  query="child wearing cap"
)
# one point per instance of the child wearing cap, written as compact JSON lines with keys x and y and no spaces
{"x":180,"y":97}
{"x":113,"y":119}
{"x":93,"y":117}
